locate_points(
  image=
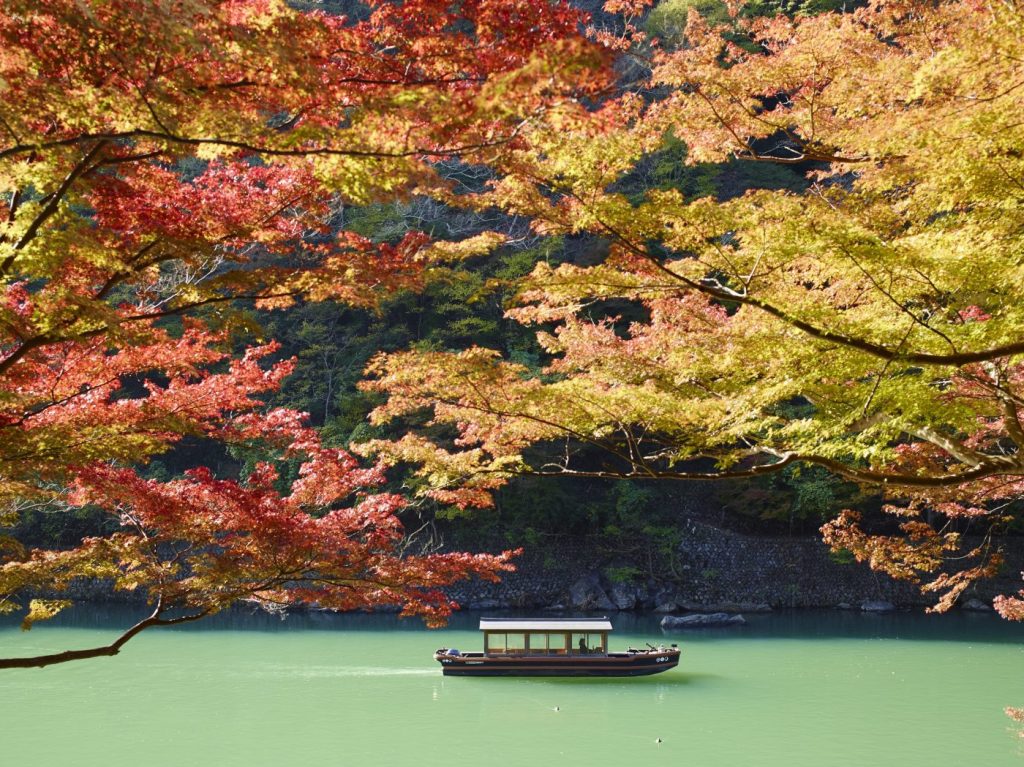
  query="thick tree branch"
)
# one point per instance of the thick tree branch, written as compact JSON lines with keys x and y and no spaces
{"x":154,"y":619}
{"x":715,"y":289}
{"x":864,"y":476}
{"x":958,"y":451}
{"x":328,"y":151}
{"x":56,"y":198}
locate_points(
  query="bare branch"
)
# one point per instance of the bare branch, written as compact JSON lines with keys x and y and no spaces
{"x":154,"y":619}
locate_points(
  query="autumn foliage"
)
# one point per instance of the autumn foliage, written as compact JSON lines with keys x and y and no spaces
{"x":161,"y":163}
{"x":201,"y":544}
{"x":868,"y":322}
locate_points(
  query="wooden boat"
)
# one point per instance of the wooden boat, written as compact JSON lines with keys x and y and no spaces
{"x":553,"y":647}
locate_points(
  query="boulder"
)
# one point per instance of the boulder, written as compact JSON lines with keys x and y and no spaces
{"x":587,"y":594}
{"x":701,"y":620}
{"x":624,"y":596}
{"x":976,"y":605}
{"x":487,"y":604}
{"x":877,"y":606}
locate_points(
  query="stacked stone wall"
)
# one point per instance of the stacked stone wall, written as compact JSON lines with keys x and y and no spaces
{"x":713,"y":569}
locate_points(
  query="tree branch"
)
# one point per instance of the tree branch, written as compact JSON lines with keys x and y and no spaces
{"x":55,"y":200}
{"x":715,"y":289}
{"x":865,"y":476}
{"x":313,"y":151}
{"x":154,"y":619}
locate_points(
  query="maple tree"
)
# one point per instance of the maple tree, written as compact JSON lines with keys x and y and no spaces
{"x":868,"y":322}
{"x":160,"y":162}
{"x":198,"y":544}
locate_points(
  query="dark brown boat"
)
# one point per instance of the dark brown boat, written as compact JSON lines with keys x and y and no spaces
{"x":553,"y":647}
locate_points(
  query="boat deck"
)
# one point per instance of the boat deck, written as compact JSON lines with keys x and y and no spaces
{"x":637,"y":663}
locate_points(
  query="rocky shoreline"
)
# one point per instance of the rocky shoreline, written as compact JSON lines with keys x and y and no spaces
{"x":715,"y":571}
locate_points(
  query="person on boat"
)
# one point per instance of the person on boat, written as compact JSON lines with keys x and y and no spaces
{"x":583,"y":646}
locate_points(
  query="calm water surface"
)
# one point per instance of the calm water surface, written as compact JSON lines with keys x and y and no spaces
{"x":795,"y":690}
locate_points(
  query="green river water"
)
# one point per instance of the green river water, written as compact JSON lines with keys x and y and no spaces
{"x":808,"y":689}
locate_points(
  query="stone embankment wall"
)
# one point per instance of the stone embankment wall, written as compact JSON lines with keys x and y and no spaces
{"x":714,"y":570}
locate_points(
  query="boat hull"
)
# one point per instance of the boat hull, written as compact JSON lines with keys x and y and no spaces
{"x":611,"y":665}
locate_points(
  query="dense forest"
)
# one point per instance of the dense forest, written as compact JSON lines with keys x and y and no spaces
{"x":302,"y":301}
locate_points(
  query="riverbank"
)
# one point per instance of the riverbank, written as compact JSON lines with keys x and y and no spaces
{"x":711,"y":570}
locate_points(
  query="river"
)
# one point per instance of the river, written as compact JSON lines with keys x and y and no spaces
{"x":801,"y":689}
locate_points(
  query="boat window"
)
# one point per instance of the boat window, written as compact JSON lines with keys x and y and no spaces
{"x":584,"y":644}
{"x":505,"y":643}
{"x":539,"y":644}
{"x":495,"y":642}
{"x":579,"y":644}
{"x":557,"y":643}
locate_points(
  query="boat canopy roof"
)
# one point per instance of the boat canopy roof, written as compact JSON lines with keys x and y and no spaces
{"x":540,"y":625}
